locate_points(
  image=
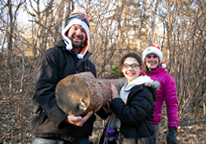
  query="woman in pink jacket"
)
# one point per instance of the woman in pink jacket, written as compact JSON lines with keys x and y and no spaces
{"x":152,"y":58}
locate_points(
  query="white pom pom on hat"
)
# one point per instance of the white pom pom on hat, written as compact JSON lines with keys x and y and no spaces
{"x":155,"y":50}
{"x":78,"y":16}
{"x":163,"y":65}
{"x":80,"y":56}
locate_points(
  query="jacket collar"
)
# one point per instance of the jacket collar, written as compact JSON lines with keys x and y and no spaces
{"x":142,"y":80}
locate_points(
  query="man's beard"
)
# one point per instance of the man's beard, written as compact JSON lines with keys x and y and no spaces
{"x":76,"y":44}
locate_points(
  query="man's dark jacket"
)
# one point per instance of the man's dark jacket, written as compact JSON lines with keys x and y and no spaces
{"x":48,"y":119}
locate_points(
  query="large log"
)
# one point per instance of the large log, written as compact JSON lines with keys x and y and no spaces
{"x":80,"y":93}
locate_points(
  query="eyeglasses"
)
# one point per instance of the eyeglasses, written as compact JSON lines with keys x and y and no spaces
{"x":133,"y":66}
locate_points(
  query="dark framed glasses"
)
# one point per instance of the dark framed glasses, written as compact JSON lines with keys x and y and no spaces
{"x":133,"y":66}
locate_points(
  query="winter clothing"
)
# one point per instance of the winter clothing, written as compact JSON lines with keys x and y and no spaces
{"x":135,"y":109}
{"x":55,"y":141}
{"x":143,"y":140}
{"x":155,"y":50}
{"x":78,"y":16}
{"x":168,"y":93}
{"x":171,"y":137}
{"x":156,"y":132}
{"x":48,"y":119}
{"x":55,"y":64}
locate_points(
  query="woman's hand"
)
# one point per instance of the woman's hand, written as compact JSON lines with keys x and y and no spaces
{"x":114,"y":91}
{"x":78,"y":120}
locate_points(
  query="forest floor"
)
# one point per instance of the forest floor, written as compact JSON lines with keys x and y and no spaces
{"x":15,"y":119}
{"x":190,"y":131}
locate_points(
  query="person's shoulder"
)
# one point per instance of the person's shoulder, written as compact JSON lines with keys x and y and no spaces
{"x":166,"y":78}
{"x":89,"y":61}
{"x":161,"y":70}
{"x":161,"y":73}
{"x":60,"y":44}
{"x":88,"y":54}
{"x":56,"y":48}
{"x":143,"y":92}
{"x":52,"y":51}
{"x":147,"y":88}
{"x":92,"y":66}
{"x":164,"y":73}
{"x":136,"y":89}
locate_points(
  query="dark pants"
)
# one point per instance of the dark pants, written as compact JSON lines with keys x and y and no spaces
{"x":155,"y":135}
{"x":145,"y":140}
{"x":50,"y":141}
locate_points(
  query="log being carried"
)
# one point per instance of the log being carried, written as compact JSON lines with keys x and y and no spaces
{"x":80,"y":93}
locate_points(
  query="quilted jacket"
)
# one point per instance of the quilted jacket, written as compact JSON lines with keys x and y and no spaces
{"x":167,"y":93}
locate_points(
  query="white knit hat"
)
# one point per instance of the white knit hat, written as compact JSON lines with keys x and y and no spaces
{"x":155,"y":50}
{"x":79,"y":16}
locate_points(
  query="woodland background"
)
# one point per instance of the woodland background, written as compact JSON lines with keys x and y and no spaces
{"x":117,"y":27}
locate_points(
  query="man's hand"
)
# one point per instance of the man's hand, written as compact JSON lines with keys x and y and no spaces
{"x":107,"y":109}
{"x":114,"y":91}
{"x":78,"y":121}
{"x":171,"y":137}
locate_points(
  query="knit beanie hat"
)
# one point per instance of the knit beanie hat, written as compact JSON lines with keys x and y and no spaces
{"x":155,"y":50}
{"x":78,"y":16}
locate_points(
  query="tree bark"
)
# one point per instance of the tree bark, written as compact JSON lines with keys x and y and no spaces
{"x":80,"y":93}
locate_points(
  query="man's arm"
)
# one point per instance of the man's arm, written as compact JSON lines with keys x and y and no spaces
{"x":47,"y":76}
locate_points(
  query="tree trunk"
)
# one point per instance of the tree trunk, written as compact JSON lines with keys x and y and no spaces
{"x":80,"y":93}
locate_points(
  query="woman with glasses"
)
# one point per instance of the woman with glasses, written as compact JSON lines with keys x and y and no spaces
{"x":133,"y":108}
{"x":152,"y":58}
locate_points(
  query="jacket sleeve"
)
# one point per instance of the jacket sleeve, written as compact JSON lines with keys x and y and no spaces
{"x":135,"y":111}
{"x":47,"y":76}
{"x":171,"y":101}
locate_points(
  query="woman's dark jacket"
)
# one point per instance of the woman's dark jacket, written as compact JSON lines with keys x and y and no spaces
{"x":48,"y":119}
{"x":136,"y":116}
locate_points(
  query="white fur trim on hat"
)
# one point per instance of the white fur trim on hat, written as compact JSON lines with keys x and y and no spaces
{"x":153,"y":50}
{"x":68,"y":41}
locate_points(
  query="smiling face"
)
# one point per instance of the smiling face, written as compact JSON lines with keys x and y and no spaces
{"x":77,"y":35}
{"x":131,"y":69}
{"x":152,"y":61}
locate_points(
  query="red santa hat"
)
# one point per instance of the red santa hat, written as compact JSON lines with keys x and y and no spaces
{"x":155,"y":50}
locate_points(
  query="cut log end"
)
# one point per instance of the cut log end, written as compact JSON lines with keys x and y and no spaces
{"x":81,"y":93}
{"x":74,"y":91}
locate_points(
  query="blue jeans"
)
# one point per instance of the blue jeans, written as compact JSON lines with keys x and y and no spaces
{"x":51,"y":141}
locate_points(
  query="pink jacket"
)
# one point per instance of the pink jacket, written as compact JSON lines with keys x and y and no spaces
{"x":167,"y":92}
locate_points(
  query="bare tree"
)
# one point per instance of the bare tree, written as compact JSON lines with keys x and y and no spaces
{"x":116,"y":28}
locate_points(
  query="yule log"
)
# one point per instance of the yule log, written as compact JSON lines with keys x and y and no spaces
{"x":80,"y":93}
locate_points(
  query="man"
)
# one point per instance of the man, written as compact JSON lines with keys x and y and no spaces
{"x":50,"y":124}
